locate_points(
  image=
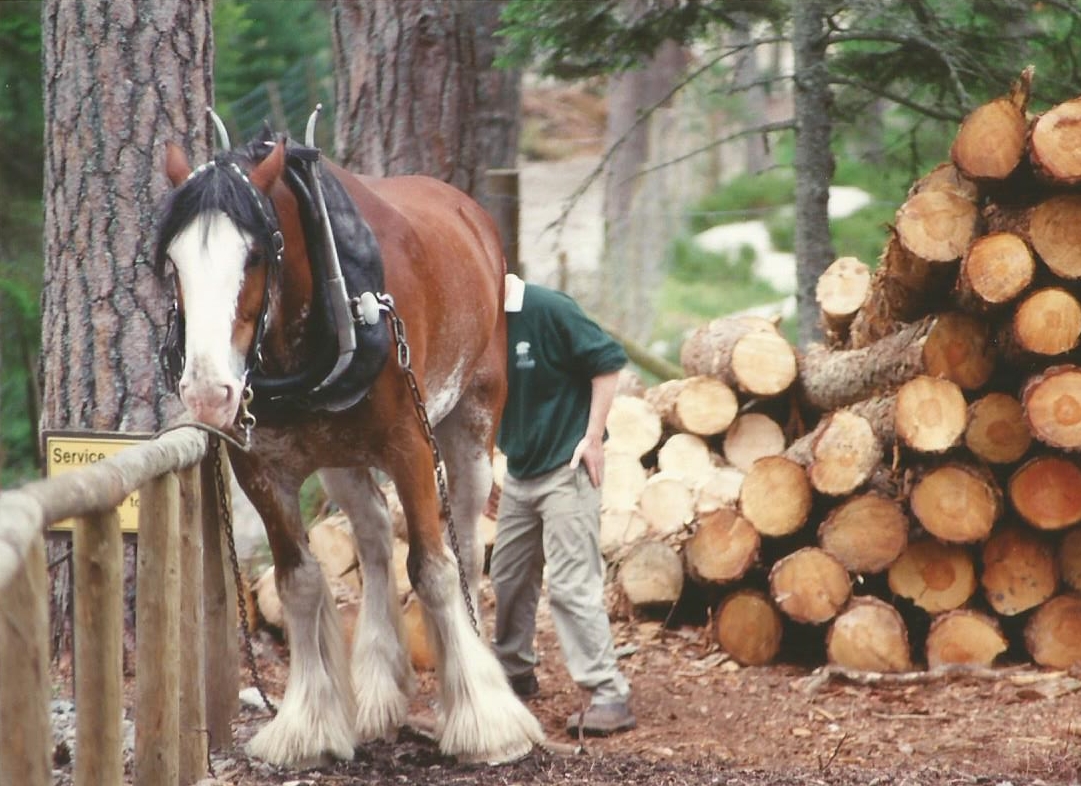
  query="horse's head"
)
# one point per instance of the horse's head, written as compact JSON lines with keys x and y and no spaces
{"x":219,"y":234}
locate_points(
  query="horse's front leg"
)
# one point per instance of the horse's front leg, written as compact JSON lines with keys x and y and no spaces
{"x":315,"y":718}
{"x":382,"y":673}
{"x":482,"y":718}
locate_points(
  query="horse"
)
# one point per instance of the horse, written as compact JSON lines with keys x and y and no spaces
{"x":416,"y":371}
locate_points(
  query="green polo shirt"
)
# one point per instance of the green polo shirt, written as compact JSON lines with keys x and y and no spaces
{"x":553,"y":353}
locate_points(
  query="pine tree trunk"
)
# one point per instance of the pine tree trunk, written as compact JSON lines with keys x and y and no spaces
{"x":120,"y":80}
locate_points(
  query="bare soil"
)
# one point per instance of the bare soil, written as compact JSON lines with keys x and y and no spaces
{"x":702,"y":719}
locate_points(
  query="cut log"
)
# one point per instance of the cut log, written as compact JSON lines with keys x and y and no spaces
{"x":1052,"y":406}
{"x":931,"y":414}
{"x":634,"y":426}
{"x":997,"y":431}
{"x":1069,"y":559}
{"x":995,"y":270}
{"x":809,"y":585}
{"x":666,"y":503}
{"x":831,"y":379}
{"x":651,"y":575}
{"x":1055,"y":234}
{"x":1055,"y":143}
{"x":1047,"y":322}
{"x":1019,"y":570}
{"x":845,"y":454}
{"x":686,"y":455}
{"x":624,"y":479}
{"x":775,"y":496}
{"x":960,"y":347}
{"x":750,"y":437}
{"x":957,"y":503}
{"x":1046,"y":492}
{"x":879,"y":413}
{"x":331,"y":544}
{"x":964,"y":637}
{"x":937,"y":226}
{"x":696,"y":405}
{"x":267,"y":600}
{"x":991,"y":140}
{"x":935,"y":576}
{"x":619,"y":530}
{"x":1053,"y":633}
{"x":869,"y":635}
{"x":840,"y":291}
{"x":746,"y":354}
{"x":867,"y":533}
{"x":748,"y":627}
{"x":718,"y":489}
{"x":421,"y":653}
{"x":722,"y":548}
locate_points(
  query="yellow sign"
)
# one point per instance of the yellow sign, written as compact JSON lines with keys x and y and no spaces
{"x":66,"y":451}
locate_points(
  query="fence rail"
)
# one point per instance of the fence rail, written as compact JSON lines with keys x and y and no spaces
{"x":185,"y":672}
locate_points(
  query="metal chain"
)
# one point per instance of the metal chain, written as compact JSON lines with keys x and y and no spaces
{"x":225,"y":510}
{"x":398,"y":328}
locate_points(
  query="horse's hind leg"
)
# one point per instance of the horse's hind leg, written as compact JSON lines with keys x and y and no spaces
{"x":382,"y":674}
{"x":315,"y":718}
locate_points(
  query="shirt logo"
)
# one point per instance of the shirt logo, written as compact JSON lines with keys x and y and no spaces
{"x":521,"y":352}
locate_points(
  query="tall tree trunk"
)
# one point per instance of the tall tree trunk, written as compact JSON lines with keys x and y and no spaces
{"x":813,"y":159}
{"x":406,"y":89}
{"x":753,"y":96}
{"x":120,"y":79}
{"x":634,"y":229}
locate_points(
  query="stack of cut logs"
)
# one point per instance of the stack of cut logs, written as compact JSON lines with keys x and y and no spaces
{"x":912,"y":488}
{"x":909,"y":491}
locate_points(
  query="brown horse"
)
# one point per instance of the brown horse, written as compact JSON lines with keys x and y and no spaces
{"x":248,"y":239}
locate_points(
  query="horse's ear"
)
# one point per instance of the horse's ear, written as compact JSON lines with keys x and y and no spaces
{"x":269,"y":169}
{"x":177,"y":167}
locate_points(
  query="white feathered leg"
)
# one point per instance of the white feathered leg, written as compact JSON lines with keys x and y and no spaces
{"x":315,"y":719}
{"x":382,"y":674}
{"x":483,"y":721}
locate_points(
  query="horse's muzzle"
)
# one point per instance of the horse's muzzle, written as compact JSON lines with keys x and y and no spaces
{"x":213,"y":404}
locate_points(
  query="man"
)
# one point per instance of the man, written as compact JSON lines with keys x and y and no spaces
{"x":562,"y":371}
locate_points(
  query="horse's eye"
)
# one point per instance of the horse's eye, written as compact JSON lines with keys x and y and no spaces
{"x":252,"y":259}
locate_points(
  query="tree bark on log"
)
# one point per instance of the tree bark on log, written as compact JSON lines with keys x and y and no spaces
{"x":810,"y":585}
{"x":869,"y":635}
{"x":699,"y":405}
{"x":831,"y":379}
{"x":1019,"y":570}
{"x":748,"y":627}
{"x":866,"y":533}
{"x":746,"y":354}
{"x":964,"y":637}
{"x":935,"y":576}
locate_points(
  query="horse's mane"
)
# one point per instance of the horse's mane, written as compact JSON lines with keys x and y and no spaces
{"x":216,"y":187}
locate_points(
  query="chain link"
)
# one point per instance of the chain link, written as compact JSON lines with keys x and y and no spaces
{"x":398,"y":328}
{"x":226,"y":513}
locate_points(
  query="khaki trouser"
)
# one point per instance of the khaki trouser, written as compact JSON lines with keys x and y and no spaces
{"x":554,"y":518}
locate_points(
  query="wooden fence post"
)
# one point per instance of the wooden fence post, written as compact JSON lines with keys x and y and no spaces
{"x":194,"y":741}
{"x":99,"y":624}
{"x":25,"y":733}
{"x":157,"y":634}
{"x":222,"y":678}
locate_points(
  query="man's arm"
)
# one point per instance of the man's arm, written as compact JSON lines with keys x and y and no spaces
{"x":590,"y":448}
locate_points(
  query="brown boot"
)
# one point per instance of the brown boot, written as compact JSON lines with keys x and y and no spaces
{"x":600,"y":720}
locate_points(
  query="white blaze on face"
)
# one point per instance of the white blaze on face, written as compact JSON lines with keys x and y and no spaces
{"x":209,"y":257}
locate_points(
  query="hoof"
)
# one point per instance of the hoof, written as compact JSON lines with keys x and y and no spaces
{"x":286,"y":743}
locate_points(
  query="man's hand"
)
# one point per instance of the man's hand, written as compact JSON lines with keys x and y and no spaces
{"x":590,"y":451}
